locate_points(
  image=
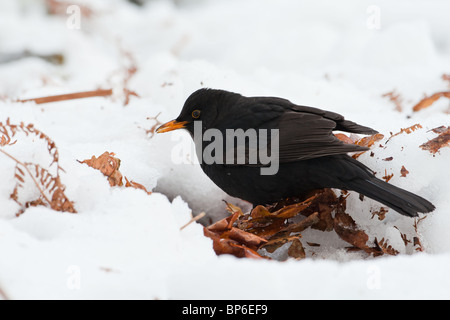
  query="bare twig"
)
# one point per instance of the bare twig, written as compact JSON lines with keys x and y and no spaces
{"x":71,"y":96}
{"x":196,"y":218}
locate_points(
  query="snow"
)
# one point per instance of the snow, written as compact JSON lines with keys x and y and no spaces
{"x":125,"y":244}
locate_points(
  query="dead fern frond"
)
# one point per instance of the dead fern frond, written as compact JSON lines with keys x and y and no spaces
{"x":384,"y":247}
{"x":405,"y":130}
{"x":121,"y":77}
{"x":9,"y":131}
{"x":51,"y":190}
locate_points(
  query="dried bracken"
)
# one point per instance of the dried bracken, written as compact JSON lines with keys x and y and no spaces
{"x":428,"y":101}
{"x":9,"y":131}
{"x":153,"y":128}
{"x":270,"y":227}
{"x":51,"y":190}
{"x":396,"y":98}
{"x":384,"y":247}
{"x":70,"y":96}
{"x":405,"y":130}
{"x":130,"y":70}
{"x":368,"y":141}
{"x":387,"y":176}
{"x":416,"y":240}
{"x":347,"y":229}
{"x":404,"y":237}
{"x":442,"y":140}
{"x":403,"y":172}
{"x":231,"y":240}
{"x":381,"y":213}
{"x":109,"y":165}
{"x":136,"y":185}
{"x":265,"y":229}
{"x":120,"y":78}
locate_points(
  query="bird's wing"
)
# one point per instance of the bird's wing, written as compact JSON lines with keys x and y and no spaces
{"x":304,"y":132}
{"x":341,"y":123}
{"x":304,"y":135}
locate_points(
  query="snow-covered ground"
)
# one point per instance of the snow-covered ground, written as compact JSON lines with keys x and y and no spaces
{"x":123,"y":243}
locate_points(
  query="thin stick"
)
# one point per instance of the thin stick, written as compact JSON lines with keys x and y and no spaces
{"x":197,"y":217}
{"x":71,"y":96}
{"x":31,"y":175}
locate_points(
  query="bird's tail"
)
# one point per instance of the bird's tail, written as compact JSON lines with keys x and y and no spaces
{"x":400,"y":200}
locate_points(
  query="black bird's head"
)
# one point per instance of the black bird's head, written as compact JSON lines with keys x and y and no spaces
{"x":205,"y":105}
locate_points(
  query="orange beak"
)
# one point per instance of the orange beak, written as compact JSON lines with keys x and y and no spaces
{"x":171,"y":125}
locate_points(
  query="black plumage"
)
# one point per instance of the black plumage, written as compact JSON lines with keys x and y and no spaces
{"x":310,"y":156}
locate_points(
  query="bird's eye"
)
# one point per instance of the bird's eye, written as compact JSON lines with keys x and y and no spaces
{"x":196,"y":114}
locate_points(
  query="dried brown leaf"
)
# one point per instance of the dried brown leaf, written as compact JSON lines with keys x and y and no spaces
{"x":428,"y":101}
{"x":296,"y":250}
{"x":344,"y":138}
{"x":249,"y":239}
{"x":286,"y":212}
{"x":225,"y":245}
{"x":403,"y":172}
{"x":108,"y":165}
{"x":368,"y":141}
{"x":296,"y":227}
{"x":274,"y":244}
{"x":347,"y":230}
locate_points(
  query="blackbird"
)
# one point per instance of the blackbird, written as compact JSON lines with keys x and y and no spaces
{"x":309,"y":156}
